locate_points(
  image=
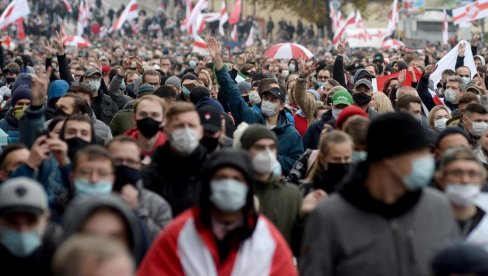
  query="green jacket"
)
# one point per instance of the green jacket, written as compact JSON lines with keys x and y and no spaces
{"x":122,"y":122}
{"x":280,"y":202}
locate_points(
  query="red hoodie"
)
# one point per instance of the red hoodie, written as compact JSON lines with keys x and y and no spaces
{"x":134,"y":133}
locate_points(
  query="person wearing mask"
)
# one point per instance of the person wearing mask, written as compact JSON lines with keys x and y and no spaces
{"x":214,"y":137}
{"x":102,"y":104}
{"x":453,"y":92}
{"x":78,"y":133}
{"x":278,"y":200}
{"x":461,"y":176}
{"x":11,"y":158}
{"x":385,"y":199}
{"x":92,"y":255}
{"x":357,"y":128}
{"x":10,"y":72}
{"x":149,"y":118}
{"x":224,"y":234}
{"x":174,"y":172}
{"x":21,"y":99}
{"x":56,"y":90}
{"x":107,"y":217}
{"x":481,"y":151}
{"x":152,"y":210}
{"x":118,"y":85}
{"x":475,"y":121}
{"x":272,"y":114}
{"x":27,"y":240}
{"x":438,"y":117}
{"x":361,"y":94}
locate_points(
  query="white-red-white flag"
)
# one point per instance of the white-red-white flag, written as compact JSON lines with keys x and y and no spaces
{"x":393,"y":20}
{"x":83,"y":14}
{"x":188,"y":8}
{"x":445,"y":34}
{"x":233,"y":34}
{"x":470,"y":12}
{"x":250,"y":38}
{"x":236,"y":13}
{"x":20,"y":28}
{"x":333,"y":17}
{"x":224,"y":17}
{"x":76,"y":41}
{"x":189,"y":21}
{"x":130,"y":12}
{"x":359,"y":20}
{"x":200,"y":46}
{"x":15,"y":10}
{"x":350,"y":21}
{"x":67,"y":6}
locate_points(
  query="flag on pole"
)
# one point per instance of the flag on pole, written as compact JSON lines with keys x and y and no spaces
{"x":236,"y":13}
{"x":82,"y":17}
{"x":188,"y":8}
{"x":224,"y":17}
{"x":350,"y":21}
{"x":445,"y":35}
{"x":470,"y":12}
{"x":195,"y":12}
{"x":130,"y":12}
{"x":250,"y":38}
{"x":20,"y":28}
{"x":393,"y":21}
{"x":333,"y":17}
{"x":199,"y":46}
{"x":15,"y":10}
{"x":233,"y":34}
{"x":67,"y":6}
{"x":359,"y":20}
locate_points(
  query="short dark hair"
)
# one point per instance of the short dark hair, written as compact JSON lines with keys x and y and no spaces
{"x":54,"y":122}
{"x":404,"y":102}
{"x":166,"y":92}
{"x":468,"y":97}
{"x":78,"y":118}
{"x":150,"y":73}
{"x":7,"y":150}
{"x":475,"y":108}
{"x":79,"y":87}
{"x":79,"y":105}
{"x":93,"y":152}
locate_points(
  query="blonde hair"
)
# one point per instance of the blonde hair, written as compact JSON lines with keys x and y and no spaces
{"x":383,"y":103}
{"x":433,"y":111}
{"x":151,"y":98}
{"x":179,"y":108}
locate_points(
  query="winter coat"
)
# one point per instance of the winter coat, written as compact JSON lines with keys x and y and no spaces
{"x":114,"y":92}
{"x":312,"y":136}
{"x":188,"y":247}
{"x":352,"y":233}
{"x":10,"y":125}
{"x":290,"y":145}
{"x":104,"y":107}
{"x":176,"y":178}
{"x":123,"y":120}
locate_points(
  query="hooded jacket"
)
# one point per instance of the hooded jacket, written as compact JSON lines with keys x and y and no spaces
{"x":123,"y":121}
{"x":101,"y":129}
{"x":290,"y":145}
{"x":10,"y":125}
{"x":82,"y":207}
{"x":352,"y":233}
{"x":176,"y":178}
{"x":134,"y":133}
{"x":312,"y":136}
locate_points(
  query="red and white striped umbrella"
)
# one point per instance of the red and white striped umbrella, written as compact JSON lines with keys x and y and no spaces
{"x":288,"y":51}
{"x":392,"y":44}
{"x":76,"y":41}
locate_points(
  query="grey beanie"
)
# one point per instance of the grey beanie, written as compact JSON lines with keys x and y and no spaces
{"x":244,"y":86}
{"x":173,"y":80}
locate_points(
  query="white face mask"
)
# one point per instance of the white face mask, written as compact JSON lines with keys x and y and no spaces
{"x":450,"y":96}
{"x":264,"y":162}
{"x":228,"y":195}
{"x":462,"y":195}
{"x":185,"y":140}
{"x":94,"y":84}
{"x":254,"y":97}
{"x":479,"y":128}
{"x":336,"y":112}
{"x":285,"y":73}
{"x":440,"y":124}
{"x":268,"y":108}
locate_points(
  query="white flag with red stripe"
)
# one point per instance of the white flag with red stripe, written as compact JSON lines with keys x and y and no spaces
{"x":250,"y":38}
{"x":448,"y":61}
{"x":359,"y":20}
{"x":130,"y":12}
{"x":67,"y":6}
{"x":393,"y":20}
{"x":200,"y":46}
{"x":82,"y":17}
{"x":350,"y":21}
{"x":470,"y":12}
{"x":189,"y":21}
{"x":15,"y":10}
{"x":233,"y":34}
{"x":236,"y":13}
{"x":188,"y":8}
{"x":445,"y":35}
{"x":76,"y":41}
{"x":224,"y":17}
{"x":333,"y":17}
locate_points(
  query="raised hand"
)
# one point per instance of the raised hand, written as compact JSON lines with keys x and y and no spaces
{"x":401,"y":77}
{"x":215,"y":50}
{"x":305,"y":71}
{"x":59,"y":149}
{"x":430,"y":69}
{"x":39,"y":88}
{"x":341,"y":48}
{"x":462,"y":48}
{"x":58,"y":42}
{"x":39,"y":152}
{"x":49,"y":49}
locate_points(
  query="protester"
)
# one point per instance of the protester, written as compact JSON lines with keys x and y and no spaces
{"x":438,"y":117}
{"x":381,"y":103}
{"x":460,"y":259}
{"x":12,"y":157}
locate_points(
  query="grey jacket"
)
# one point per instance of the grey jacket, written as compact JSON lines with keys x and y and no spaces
{"x":342,"y":239}
{"x":153,"y":211}
{"x":118,"y":96}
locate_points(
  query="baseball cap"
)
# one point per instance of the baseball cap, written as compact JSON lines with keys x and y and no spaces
{"x":92,"y":71}
{"x":363,"y":82}
{"x":210,"y":118}
{"x":22,"y":194}
{"x":342,"y":97}
{"x":275,"y":91}
{"x":378,"y":57}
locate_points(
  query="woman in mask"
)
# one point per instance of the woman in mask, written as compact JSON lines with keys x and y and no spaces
{"x":438,"y":117}
{"x":381,"y":103}
{"x":224,"y":235}
{"x":461,"y":176}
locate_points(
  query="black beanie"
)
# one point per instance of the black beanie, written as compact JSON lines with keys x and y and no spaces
{"x":394,"y":134}
{"x":461,"y":259}
{"x":198,"y":93}
{"x":254,"y":133}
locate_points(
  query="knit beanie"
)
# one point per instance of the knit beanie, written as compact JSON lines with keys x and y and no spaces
{"x":393,"y":134}
{"x":348,"y":112}
{"x":254,"y":133}
{"x":145,"y":89}
{"x":244,"y":86}
{"x":57,"y":89}
{"x":197,"y":93}
{"x":22,"y":88}
{"x":175,"y":81}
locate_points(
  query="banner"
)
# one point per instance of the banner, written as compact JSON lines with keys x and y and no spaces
{"x":365,"y":38}
{"x":470,"y":12}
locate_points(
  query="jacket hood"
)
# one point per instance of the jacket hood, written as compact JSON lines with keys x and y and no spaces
{"x":11,"y":120}
{"x":283,"y":123}
{"x":82,"y":207}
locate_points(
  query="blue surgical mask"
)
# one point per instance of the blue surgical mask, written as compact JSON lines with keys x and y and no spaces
{"x":422,"y":172}
{"x":228,"y":195}
{"x":94,"y":84}
{"x":186,"y":91}
{"x":193,"y":64}
{"x":84,"y":187}
{"x":320,"y":83}
{"x":358,"y":156}
{"x":20,"y":244}
{"x":466,"y":80}
{"x":291,"y":68}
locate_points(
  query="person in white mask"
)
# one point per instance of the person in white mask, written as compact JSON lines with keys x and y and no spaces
{"x":278,"y":200}
{"x":174,"y":172}
{"x":461,"y":176}
{"x":438,"y":117}
{"x":475,"y":120}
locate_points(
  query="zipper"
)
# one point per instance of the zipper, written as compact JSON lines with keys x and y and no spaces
{"x":396,"y":244}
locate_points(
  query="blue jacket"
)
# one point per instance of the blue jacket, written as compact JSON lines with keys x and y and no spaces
{"x":10,"y":125}
{"x":290,"y":145}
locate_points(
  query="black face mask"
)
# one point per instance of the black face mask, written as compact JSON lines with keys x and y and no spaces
{"x":380,"y":68}
{"x":125,"y":175}
{"x":335,"y":173}
{"x":130,"y":87}
{"x":361,"y":98}
{"x":148,"y":127}
{"x":210,"y":143}
{"x":9,"y":80}
{"x":74,"y":145}
{"x":246,"y":98}
{"x":59,"y":112}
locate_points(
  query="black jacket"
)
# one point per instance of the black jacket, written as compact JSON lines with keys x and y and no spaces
{"x":312,"y":136}
{"x":104,"y":107}
{"x":176,"y":178}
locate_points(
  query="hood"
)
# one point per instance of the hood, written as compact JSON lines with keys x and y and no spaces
{"x":11,"y":120}
{"x":82,"y":207}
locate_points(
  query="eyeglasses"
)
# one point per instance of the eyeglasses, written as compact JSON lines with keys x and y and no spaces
{"x":460,"y":173}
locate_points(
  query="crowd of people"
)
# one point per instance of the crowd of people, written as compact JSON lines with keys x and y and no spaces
{"x":136,"y":156}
